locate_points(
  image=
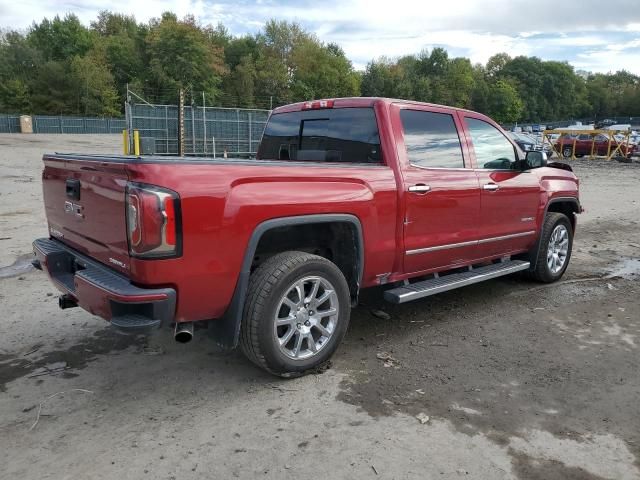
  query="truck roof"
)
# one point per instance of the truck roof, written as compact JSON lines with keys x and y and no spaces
{"x":346,"y":102}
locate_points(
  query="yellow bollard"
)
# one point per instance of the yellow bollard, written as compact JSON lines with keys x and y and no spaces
{"x":136,"y":143}
{"x":125,"y":142}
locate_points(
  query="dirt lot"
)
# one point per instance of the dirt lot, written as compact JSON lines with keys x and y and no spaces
{"x":518,"y":380}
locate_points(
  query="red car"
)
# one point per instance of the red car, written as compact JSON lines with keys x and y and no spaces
{"x":272,"y":253}
{"x":598,"y":144}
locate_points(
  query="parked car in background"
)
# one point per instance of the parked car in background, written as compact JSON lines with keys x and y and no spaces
{"x":524,"y":141}
{"x":271,"y":254}
{"x":607,"y":122}
{"x":599,"y":144}
{"x":528,"y":143}
{"x":623,"y":127}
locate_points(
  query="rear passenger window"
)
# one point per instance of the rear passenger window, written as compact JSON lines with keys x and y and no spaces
{"x":431,"y":139}
{"x":347,"y":135}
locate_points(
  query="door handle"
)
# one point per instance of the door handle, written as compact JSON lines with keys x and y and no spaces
{"x":491,"y":187}
{"x":419,"y":188}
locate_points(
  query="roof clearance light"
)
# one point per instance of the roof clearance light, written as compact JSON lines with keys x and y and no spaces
{"x":317,"y":104}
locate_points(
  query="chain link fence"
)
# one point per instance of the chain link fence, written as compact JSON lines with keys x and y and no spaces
{"x":64,"y":124}
{"x":9,"y":124}
{"x":208,"y":131}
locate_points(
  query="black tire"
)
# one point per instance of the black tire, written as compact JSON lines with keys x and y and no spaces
{"x":567,"y":152}
{"x":541,"y":270}
{"x":267,"y":285}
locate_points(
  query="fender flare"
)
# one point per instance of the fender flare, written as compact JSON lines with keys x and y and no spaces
{"x":226,"y":329}
{"x":533,"y":258}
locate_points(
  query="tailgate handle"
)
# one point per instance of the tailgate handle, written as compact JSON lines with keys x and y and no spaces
{"x":73,"y":188}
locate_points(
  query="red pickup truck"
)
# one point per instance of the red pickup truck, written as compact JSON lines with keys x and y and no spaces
{"x":593,"y":144}
{"x":271,"y":253}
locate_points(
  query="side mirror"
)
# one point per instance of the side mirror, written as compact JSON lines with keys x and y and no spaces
{"x":535,"y":159}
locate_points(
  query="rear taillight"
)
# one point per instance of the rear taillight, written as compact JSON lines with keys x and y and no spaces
{"x":153,"y":221}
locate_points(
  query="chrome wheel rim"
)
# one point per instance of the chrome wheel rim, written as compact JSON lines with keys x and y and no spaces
{"x":306,"y":317}
{"x":567,"y":152}
{"x":558,"y":249}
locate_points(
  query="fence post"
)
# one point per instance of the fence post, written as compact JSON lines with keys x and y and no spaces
{"x":238,"y":127}
{"x":61,"y":128}
{"x":181,"y":124}
{"x":166,"y":129}
{"x":136,"y":143}
{"x":250,"y":144}
{"x":204,"y":126}
{"x":193,"y":127}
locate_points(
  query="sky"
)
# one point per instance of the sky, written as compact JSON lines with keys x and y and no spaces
{"x":592,"y":35}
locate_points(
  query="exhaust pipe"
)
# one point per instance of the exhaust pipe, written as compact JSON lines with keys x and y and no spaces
{"x":183,"y":332}
{"x":66,"y":301}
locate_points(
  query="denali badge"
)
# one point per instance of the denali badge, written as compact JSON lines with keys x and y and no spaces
{"x":56,"y":233}
{"x":73,"y":209}
{"x":117,"y":262}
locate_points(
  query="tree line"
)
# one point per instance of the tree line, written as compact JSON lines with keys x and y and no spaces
{"x":60,"y":66}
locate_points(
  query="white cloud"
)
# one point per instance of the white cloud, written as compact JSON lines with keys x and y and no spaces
{"x":598,"y":37}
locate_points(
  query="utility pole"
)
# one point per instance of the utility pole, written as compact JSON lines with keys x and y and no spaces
{"x":181,"y":124}
{"x":128,"y":116}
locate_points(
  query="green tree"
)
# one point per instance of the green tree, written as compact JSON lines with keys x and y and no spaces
{"x":18,"y":64}
{"x":378,"y":79}
{"x":14,"y":96}
{"x":504,"y":103}
{"x":239,"y":85}
{"x":121,"y":43}
{"x":320,"y":71}
{"x":460,"y":82}
{"x":496,"y":63}
{"x":95,"y":86}
{"x":53,"y":91}
{"x":480,"y":92}
{"x":181,"y":55}
{"x":60,"y":39}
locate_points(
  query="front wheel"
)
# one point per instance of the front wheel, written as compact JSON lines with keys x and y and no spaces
{"x":554,"y":251}
{"x":567,"y":152}
{"x":296,"y":313}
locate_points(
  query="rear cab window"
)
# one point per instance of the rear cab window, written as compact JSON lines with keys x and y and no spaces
{"x":335,"y":135}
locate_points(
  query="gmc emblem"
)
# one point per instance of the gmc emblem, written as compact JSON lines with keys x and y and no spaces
{"x":73,"y":209}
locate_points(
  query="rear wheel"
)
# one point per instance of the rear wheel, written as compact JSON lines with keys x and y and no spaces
{"x":556,"y":242}
{"x":567,"y":152}
{"x":296,"y":313}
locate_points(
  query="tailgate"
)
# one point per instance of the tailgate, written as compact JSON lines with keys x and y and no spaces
{"x":85,"y":206}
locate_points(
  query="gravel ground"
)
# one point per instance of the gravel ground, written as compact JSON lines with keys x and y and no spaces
{"x":517,"y":380}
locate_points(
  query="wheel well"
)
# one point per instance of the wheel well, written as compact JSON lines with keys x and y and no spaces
{"x":336,"y":241}
{"x":568,"y":208}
